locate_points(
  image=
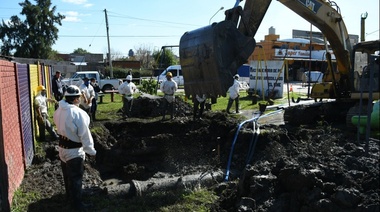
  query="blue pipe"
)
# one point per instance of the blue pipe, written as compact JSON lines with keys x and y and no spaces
{"x":253,"y":142}
{"x":253,"y":119}
{"x":252,"y":149}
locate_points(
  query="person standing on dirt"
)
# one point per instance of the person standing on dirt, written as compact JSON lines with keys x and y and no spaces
{"x":88,"y":94}
{"x":168,"y":87}
{"x":57,"y":87}
{"x":199,"y":105}
{"x":40,"y":105}
{"x":234,"y":95}
{"x":94,"y":105}
{"x":75,"y":140}
{"x":127,"y":89}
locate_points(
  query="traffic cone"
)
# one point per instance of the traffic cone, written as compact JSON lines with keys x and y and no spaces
{"x":291,"y":88}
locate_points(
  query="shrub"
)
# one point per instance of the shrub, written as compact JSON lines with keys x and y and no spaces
{"x":149,"y":86}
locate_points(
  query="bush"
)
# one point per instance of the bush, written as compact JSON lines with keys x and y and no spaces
{"x":149,"y":86}
{"x":121,"y":73}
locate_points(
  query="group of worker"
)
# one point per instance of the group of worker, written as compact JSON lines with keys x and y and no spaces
{"x":72,"y":118}
{"x":73,"y":115}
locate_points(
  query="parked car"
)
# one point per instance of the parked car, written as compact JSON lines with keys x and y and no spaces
{"x":176,"y":72}
{"x":104,"y":83}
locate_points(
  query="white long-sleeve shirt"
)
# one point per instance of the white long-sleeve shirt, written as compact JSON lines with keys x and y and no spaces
{"x":127,"y":90}
{"x":73,"y":123}
{"x":234,"y":89}
{"x":89,"y":92}
{"x":169,"y":87}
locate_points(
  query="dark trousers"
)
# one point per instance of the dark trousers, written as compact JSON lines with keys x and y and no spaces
{"x":229,"y":105}
{"x":87,"y":110}
{"x":58,"y":97}
{"x":94,"y":106}
{"x":72,"y":175}
{"x":168,"y":106}
{"x":127,"y":106}
{"x":198,"y":106}
{"x":46,"y":125}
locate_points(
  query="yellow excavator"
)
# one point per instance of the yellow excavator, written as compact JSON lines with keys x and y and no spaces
{"x":210,"y":56}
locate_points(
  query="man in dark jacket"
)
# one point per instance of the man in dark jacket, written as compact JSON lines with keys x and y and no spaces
{"x":57,"y":86}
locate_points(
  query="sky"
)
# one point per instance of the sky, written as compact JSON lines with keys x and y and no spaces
{"x":151,"y":24}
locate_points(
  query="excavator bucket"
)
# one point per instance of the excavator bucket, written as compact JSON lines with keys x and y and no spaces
{"x":210,"y":57}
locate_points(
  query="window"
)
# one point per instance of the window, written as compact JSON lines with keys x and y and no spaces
{"x":92,"y":76}
{"x":284,"y":46}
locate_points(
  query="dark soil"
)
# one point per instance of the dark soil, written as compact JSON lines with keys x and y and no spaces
{"x":314,"y":167}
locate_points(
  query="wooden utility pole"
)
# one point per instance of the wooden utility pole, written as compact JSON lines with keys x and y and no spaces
{"x":109,"y":48}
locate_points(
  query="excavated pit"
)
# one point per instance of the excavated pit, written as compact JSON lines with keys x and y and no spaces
{"x":314,"y":167}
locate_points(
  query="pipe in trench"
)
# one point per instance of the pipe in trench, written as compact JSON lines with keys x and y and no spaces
{"x":140,"y":188}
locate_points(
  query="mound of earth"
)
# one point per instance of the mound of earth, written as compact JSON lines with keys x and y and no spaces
{"x":314,"y":167}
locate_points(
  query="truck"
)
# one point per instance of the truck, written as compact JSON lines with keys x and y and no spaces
{"x":176,"y":72}
{"x":210,"y":56}
{"x":104,"y":83}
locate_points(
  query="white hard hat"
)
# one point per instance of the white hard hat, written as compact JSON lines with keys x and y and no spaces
{"x":72,"y":90}
{"x":129,"y":77}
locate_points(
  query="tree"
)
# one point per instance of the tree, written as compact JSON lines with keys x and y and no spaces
{"x":33,"y":37}
{"x":143,"y":54}
{"x":164,"y":58}
{"x":80,"y":51}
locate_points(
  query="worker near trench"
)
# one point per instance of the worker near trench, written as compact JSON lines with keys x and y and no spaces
{"x":234,"y":95}
{"x":127,"y":89}
{"x":199,"y":106}
{"x":40,"y":105}
{"x":75,"y":140}
{"x":168,"y":87}
{"x":88,"y":94}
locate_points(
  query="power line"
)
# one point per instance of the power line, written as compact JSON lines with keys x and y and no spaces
{"x":119,"y":36}
{"x":150,"y":20}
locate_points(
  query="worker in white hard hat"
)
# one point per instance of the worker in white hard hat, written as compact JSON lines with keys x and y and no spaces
{"x":127,"y":89}
{"x":40,"y":105}
{"x":234,"y":95}
{"x":88,"y":94}
{"x":168,"y":87}
{"x":75,"y":141}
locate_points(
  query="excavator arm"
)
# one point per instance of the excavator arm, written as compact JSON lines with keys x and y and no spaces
{"x":211,"y":55}
{"x":325,"y":15}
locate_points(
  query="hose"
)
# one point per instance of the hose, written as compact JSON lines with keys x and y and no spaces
{"x":254,"y":119}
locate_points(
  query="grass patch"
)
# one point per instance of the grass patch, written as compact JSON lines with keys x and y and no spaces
{"x":21,"y":200}
{"x":162,"y":201}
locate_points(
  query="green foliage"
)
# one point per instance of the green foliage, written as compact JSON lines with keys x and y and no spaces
{"x":80,"y":51}
{"x":164,"y":58}
{"x":22,"y":199}
{"x":121,"y":73}
{"x":33,"y":37}
{"x":149,"y":86}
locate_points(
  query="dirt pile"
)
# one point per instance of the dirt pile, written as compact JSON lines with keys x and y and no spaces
{"x":315,"y":167}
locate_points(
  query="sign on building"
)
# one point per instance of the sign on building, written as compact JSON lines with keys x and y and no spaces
{"x":267,"y":78}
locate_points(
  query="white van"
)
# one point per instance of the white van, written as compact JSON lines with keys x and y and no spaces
{"x":176,"y":72}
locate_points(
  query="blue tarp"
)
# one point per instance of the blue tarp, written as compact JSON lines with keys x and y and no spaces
{"x":243,"y":71}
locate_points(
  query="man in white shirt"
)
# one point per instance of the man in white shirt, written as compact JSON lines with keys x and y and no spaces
{"x":127,"y":89}
{"x":75,"y":141}
{"x":88,"y":94}
{"x":40,"y":105}
{"x":168,"y":87}
{"x":234,"y":95}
